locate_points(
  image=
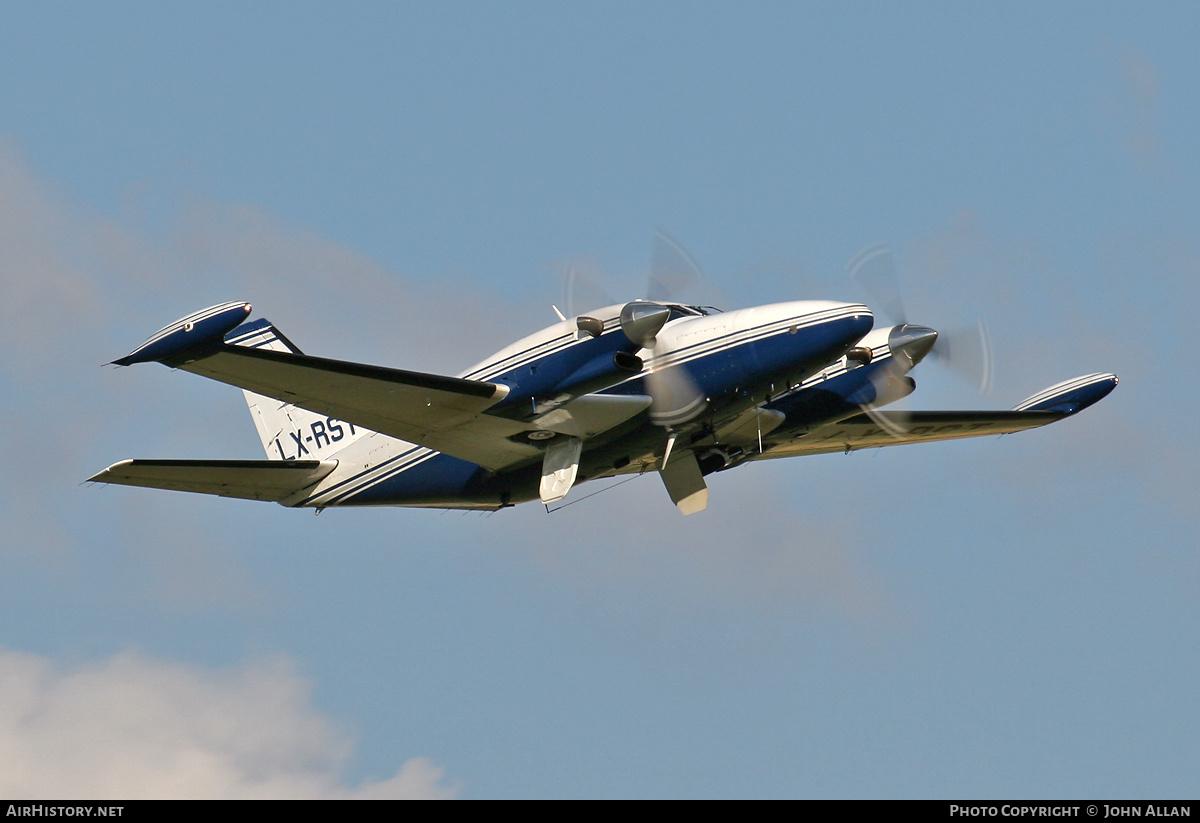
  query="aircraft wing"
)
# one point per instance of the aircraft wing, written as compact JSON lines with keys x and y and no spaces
{"x":272,"y":480}
{"x":888,"y":428}
{"x":441,"y":413}
{"x":879,"y":428}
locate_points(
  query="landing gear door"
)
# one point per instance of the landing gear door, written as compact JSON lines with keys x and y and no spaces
{"x":559,"y":468}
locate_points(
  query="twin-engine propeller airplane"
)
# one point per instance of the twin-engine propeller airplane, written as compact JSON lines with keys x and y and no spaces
{"x":645,"y":386}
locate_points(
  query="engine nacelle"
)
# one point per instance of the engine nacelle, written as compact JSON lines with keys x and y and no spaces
{"x":599,"y":373}
{"x":884,"y":387}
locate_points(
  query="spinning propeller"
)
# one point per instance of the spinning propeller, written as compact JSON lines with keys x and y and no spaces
{"x":965,"y":350}
{"x":675,"y":397}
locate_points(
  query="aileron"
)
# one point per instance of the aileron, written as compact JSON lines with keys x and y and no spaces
{"x":887,"y":428}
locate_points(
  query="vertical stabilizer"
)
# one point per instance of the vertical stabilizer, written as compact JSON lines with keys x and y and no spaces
{"x":289,"y":432}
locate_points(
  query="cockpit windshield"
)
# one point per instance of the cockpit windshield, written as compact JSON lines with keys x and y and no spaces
{"x":679,"y":310}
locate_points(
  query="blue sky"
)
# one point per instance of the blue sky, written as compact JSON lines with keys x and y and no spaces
{"x":405,"y":185}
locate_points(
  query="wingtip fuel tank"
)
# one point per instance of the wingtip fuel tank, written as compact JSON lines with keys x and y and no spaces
{"x":205,"y":327}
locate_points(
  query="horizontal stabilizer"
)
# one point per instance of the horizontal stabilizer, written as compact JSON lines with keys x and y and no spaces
{"x":272,"y":480}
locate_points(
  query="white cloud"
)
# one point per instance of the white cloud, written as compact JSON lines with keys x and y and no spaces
{"x":45,"y":288}
{"x":133,"y":727}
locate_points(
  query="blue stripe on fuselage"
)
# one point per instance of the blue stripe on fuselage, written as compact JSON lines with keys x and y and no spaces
{"x":440,"y":479}
{"x":749,"y":363}
{"x":774,"y":355}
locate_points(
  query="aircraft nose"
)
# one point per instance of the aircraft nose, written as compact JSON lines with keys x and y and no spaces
{"x":845,"y":325}
{"x":848,"y":323}
{"x":914,"y":342}
{"x":861,"y":321}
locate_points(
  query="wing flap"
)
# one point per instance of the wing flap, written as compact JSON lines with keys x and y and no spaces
{"x":900,"y":428}
{"x":441,"y":413}
{"x":271,"y":480}
{"x":880,"y":428}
